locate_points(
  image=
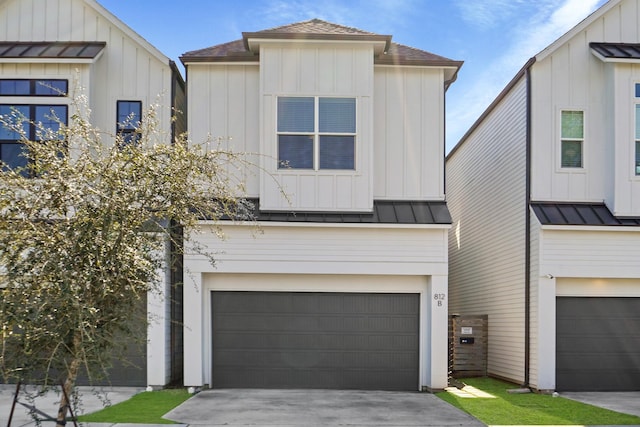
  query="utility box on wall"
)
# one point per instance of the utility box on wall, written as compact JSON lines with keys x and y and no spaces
{"x":468,"y":339}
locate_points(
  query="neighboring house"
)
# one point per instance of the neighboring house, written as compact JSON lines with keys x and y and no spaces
{"x":544,"y":190}
{"x":49,"y":47}
{"x":345,"y":283}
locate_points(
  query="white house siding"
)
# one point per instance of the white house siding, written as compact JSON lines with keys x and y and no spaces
{"x":582,"y":252}
{"x":133,"y":68}
{"x":316,"y":69}
{"x":230,"y":115}
{"x":408,"y":150}
{"x":486,"y":196}
{"x":536,"y":304}
{"x":624,"y":198}
{"x":577,"y":262}
{"x":129,"y":68}
{"x":320,"y":258}
{"x":569,"y":76}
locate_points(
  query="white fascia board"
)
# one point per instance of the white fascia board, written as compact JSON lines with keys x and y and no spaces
{"x":611,"y":228}
{"x":615,"y":60}
{"x":245,"y":63}
{"x":87,"y":61}
{"x":254,"y":43}
{"x":328,"y":225}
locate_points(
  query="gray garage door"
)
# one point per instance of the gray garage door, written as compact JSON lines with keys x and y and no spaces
{"x":315,"y":340}
{"x":598,"y":344}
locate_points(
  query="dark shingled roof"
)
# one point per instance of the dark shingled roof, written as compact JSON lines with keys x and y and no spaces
{"x":616,"y":50}
{"x":395,"y":54}
{"x":46,"y":50}
{"x":595,"y":214}
{"x":384,"y":212}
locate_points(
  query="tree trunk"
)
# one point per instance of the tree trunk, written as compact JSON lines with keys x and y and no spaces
{"x":72,"y":374}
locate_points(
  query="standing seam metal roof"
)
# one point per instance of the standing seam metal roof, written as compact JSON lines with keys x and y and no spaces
{"x":61,"y":50}
{"x":617,"y":50}
{"x":384,"y":212}
{"x":590,"y":214}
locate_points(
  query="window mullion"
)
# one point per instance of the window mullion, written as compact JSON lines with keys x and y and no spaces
{"x":316,"y":137}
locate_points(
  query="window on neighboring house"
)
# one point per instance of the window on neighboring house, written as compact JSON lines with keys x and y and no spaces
{"x":38,"y":119}
{"x":316,"y":133}
{"x":128,"y":116}
{"x":33,"y":87}
{"x":572,"y":139}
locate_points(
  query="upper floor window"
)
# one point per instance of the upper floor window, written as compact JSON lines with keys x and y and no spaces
{"x":36,"y":122}
{"x":316,"y":133}
{"x":572,"y":139}
{"x":128,"y":116}
{"x":33,"y":87}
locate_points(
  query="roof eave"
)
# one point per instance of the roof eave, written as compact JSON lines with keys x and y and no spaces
{"x":235,"y":59}
{"x":253,"y":40}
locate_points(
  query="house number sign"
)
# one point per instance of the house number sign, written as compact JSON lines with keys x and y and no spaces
{"x":439,"y":299}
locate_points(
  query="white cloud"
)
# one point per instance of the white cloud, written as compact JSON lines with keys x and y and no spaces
{"x":485,"y":14}
{"x":532,"y":31}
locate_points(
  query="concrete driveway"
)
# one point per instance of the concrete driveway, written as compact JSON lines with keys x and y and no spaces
{"x":627,"y":402}
{"x":244,"y":407}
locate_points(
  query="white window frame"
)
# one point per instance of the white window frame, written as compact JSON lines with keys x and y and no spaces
{"x":316,"y":134}
{"x":582,"y":140}
{"x":635,"y":148}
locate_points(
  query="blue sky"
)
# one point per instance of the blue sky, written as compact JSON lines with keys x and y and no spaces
{"x":493,"y":37}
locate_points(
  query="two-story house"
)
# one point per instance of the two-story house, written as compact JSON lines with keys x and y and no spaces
{"x":48,"y":50}
{"x":344,"y":284}
{"x":544,"y":190}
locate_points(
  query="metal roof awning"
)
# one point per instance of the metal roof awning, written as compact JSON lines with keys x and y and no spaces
{"x":384,"y":212}
{"x":57,"y":52}
{"x":616,"y":52}
{"x":589,"y":214}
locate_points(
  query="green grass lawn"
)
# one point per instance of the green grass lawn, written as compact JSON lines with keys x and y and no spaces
{"x":487,"y":400}
{"x":146,"y":408}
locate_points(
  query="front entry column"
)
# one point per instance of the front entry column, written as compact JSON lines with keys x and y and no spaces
{"x":435,"y":302}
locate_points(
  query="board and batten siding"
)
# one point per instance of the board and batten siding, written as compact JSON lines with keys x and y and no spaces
{"x":224,"y":108}
{"x":316,"y":69}
{"x":128,"y":69}
{"x":570,"y":77}
{"x":486,"y":197}
{"x":408,"y":133}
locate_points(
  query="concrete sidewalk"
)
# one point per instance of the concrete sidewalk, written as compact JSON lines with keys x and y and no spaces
{"x":92,"y":398}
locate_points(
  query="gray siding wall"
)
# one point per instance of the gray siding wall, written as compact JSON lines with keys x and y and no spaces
{"x":486,"y":195}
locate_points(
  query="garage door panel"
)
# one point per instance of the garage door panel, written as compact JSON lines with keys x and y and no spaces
{"x":598,"y":344}
{"x":315,"y":340}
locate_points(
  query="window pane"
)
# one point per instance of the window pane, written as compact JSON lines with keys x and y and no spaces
{"x":337,"y":152}
{"x":14,"y":87}
{"x":337,"y":115}
{"x":296,"y":114}
{"x":51,"y":87}
{"x":295,"y":151}
{"x":637,"y":90}
{"x":637,"y":157}
{"x":637,"y":121}
{"x":50,"y":117}
{"x":12,"y":114}
{"x":129,"y":114}
{"x":571,"y":154}
{"x":12,"y":155}
{"x":572,"y":124}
